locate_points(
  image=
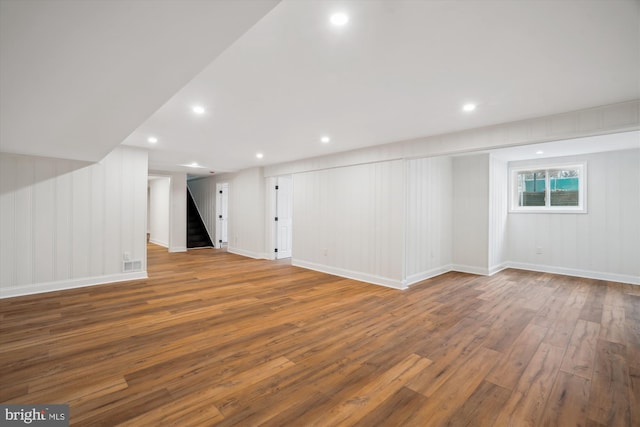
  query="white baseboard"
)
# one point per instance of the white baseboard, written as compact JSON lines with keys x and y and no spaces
{"x":38,"y":288}
{"x":159,"y":243}
{"x":178,"y":249}
{"x":470,"y":269}
{"x":349,"y":274}
{"x":249,"y":254}
{"x":598,"y":275}
{"x":419,"y":277}
{"x":497,"y":268}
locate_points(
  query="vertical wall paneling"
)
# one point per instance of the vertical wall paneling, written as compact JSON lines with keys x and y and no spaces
{"x":8,"y":185}
{"x":428,"y":234}
{"x":247,"y":212}
{"x":96,"y":237}
{"x":498,"y":213}
{"x":471,"y":213}
{"x":81,"y":217}
{"x":350,"y":221}
{"x":43,"y":220}
{"x":66,"y":223}
{"x":23,"y":243}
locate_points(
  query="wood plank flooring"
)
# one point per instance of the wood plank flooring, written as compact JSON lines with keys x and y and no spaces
{"x":212,"y":338}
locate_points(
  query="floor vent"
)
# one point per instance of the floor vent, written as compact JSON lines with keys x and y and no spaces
{"x":128,"y":266}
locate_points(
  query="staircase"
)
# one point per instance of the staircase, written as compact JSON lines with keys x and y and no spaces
{"x":197,"y":236}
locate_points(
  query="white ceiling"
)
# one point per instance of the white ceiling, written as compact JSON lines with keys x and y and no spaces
{"x":397,"y":70}
{"x":77,"y":77}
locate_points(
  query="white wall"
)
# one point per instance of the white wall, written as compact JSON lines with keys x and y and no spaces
{"x":159,"y":209}
{"x":247,"y":212}
{"x":498,"y":214}
{"x":602,"y":243}
{"x":429,"y":218}
{"x":350,"y":221}
{"x":67,"y":224}
{"x":471,"y":213}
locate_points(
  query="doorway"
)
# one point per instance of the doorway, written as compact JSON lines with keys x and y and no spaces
{"x":158,"y":210}
{"x":284,"y":216}
{"x":222,"y":212}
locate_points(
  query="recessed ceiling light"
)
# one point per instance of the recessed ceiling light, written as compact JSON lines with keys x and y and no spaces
{"x":259,"y":155}
{"x":339,"y":19}
{"x":152,"y":140}
{"x":198,"y":109}
{"x":325,"y":139}
{"x":468,"y":107}
{"x":193,"y":165}
{"x":539,"y":152}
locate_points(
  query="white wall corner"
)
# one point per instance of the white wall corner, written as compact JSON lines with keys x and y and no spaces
{"x":425,"y":275}
{"x":470,"y":269}
{"x":497,"y":268}
{"x":159,"y":242}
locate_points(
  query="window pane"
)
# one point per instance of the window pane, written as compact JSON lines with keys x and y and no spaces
{"x":531,"y":188}
{"x":564,"y":187}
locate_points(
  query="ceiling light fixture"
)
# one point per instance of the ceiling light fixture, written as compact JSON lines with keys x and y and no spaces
{"x":198,"y":109}
{"x":339,"y":19}
{"x":325,"y":139}
{"x":259,"y":155}
{"x":152,"y":140}
{"x":539,"y":152}
{"x":193,"y":165}
{"x":468,"y":107}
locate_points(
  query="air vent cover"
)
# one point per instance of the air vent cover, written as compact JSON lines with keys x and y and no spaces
{"x":129,"y":266}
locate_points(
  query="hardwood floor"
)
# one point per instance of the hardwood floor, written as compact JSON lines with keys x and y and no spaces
{"x":212,"y":338}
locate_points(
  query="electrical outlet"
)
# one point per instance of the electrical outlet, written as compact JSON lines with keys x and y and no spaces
{"x":539,"y":250}
{"x":325,"y":251}
{"x":126,"y":256}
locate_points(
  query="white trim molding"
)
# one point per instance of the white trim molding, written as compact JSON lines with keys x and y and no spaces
{"x":38,"y":288}
{"x":598,"y":275}
{"x":349,"y":274}
{"x":425,"y":275}
{"x":248,"y":254}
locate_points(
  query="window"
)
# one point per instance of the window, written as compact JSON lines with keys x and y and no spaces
{"x":555,"y":188}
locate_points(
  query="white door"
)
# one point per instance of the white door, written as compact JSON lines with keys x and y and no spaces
{"x":222,"y":207}
{"x":284,"y":214}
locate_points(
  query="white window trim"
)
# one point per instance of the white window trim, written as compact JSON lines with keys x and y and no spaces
{"x":582,"y":188}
